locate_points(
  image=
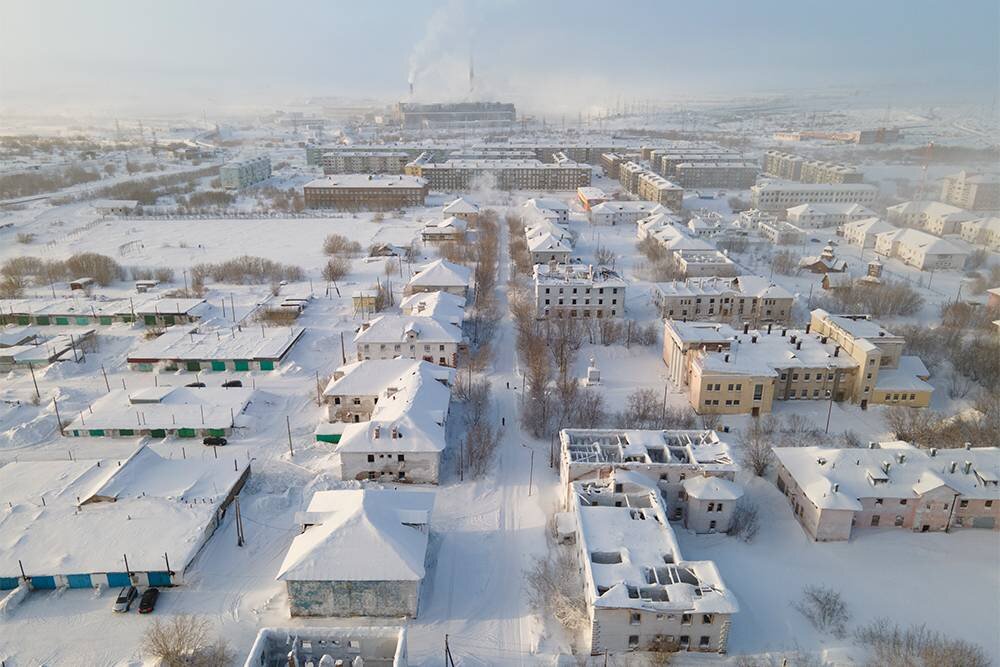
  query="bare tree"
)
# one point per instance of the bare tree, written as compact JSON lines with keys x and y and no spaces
{"x":916,"y":646}
{"x":757,"y":453}
{"x":336,"y":268}
{"x":825,"y":609}
{"x":185,"y":641}
{"x":555,"y":590}
{"x":604,"y":256}
{"x":745,"y":521}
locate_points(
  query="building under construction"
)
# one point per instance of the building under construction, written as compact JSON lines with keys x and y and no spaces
{"x":413,"y":115}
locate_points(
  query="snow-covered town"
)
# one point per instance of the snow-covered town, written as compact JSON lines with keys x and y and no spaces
{"x":456,"y":355}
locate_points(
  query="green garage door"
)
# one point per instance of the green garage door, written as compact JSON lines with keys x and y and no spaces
{"x":194,"y":365}
{"x":117,"y":579}
{"x":83,"y":320}
{"x":186,"y":432}
{"x":218,"y":365}
{"x":43,"y":583}
{"x":266,"y":365}
{"x":217,"y":432}
{"x":159,"y":578}
{"x":78,"y":580}
{"x":158,"y":433}
{"x":241,"y":364}
{"x":23,"y":320}
{"x":62,"y":320}
{"x":42,"y":319}
{"x":150,"y":320}
{"x":126,"y":431}
{"x":103,"y":319}
{"x":96,"y":432}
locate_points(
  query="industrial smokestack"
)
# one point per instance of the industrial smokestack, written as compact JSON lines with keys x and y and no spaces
{"x":472,"y":75}
{"x":411,"y":89}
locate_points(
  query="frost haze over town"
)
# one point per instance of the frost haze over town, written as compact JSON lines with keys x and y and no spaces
{"x":499,"y":333}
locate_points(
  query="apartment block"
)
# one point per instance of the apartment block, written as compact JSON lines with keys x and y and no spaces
{"x":504,"y":174}
{"x":748,"y":297}
{"x":864,"y":233}
{"x":650,"y":186}
{"x":921,"y":250}
{"x":972,"y":190}
{"x":578,"y":291}
{"x":775,"y":196}
{"x":244,"y":173}
{"x":837,"y":492}
{"x":734,"y":175}
{"x":376,"y":192}
{"x":790,"y":166}
{"x":364,"y":162}
{"x":983,"y":232}
{"x":814,"y":216}
{"x":614,"y":213}
{"x":780,"y":232}
{"x":933,"y":217}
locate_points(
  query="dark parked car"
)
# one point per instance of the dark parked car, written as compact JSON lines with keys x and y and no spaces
{"x":195,"y":384}
{"x":125,"y":598}
{"x":233,"y":383}
{"x":215,"y":441}
{"x":148,"y":601}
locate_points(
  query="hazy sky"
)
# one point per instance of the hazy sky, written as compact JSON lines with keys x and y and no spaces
{"x":184,"y":54}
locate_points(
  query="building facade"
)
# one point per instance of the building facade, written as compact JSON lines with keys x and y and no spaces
{"x":777,"y":196}
{"x":578,"y":291}
{"x":244,"y":173}
{"x":365,"y":191}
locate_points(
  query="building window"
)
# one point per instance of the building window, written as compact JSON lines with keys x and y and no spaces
{"x":878,"y":501}
{"x":635,"y":618}
{"x":371,"y":458}
{"x":899,"y":520}
{"x":400,"y":457}
{"x":633,"y":641}
{"x":963,"y":503}
{"x":703,"y":642}
{"x":875,"y":519}
{"x":685,"y":619}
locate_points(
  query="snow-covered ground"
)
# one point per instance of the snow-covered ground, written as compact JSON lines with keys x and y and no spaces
{"x":485,"y":531}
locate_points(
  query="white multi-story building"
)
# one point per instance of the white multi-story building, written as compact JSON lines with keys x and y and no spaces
{"x":780,"y":232}
{"x":752,"y":298}
{"x":813,"y":216}
{"x":244,"y":173}
{"x":641,"y":594}
{"x":426,"y":338}
{"x":933,"y":217}
{"x":387,"y":419}
{"x":863,"y":233}
{"x":578,"y":291}
{"x":548,"y":209}
{"x":440,"y":276}
{"x":544,"y":248}
{"x":983,"y":232}
{"x":774,"y":195}
{"x":921,"y":250}
{"x":623,"y":212}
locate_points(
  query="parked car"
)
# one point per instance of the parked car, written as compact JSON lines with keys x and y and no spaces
{"x":215,"y":441}
{"x":148,"y":600}
{"x":233,"y":383}
{"x":126,"y":597}
{"x":195,"y":384}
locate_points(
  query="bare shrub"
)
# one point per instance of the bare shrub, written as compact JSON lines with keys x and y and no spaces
{"x":335,"y":269}
{"x":185,"y":641}
{"x":710,"y":421}
{"x":25,"y":237}
{"x":247,"y":270}
{"x":163,"y":274}
{"x":101,"y":268}
{"x":745,"y":521}
{"x":555,"y":590}
{"x":277,"y":317}
{"x":916,"y":646}
{"x":825,"y":609}
{"x":482,"y":435}
{"x":604,"y":256}
{"x":12,"y":287}
{"x":341,"y":246}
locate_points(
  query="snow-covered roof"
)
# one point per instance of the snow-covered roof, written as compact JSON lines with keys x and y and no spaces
{"x":909,"y":375}
{"x":830,"y":209}
{"x":376,"y":377}
{"x":622,"y":447}
{"x":97,"y":510}
{"x":547,"y":204}
{"x":712,"y":488}
{"x":382,"y":181}
{"x":441,"y":273}
{"x":461,"y":205}
{"x":361,"y":535}
{"x":648,"y":207}
{"x":398,"y":328}
{"x":633,"y":559}
{"x":930,"y":244}
{"x":693,"y":334}
{"x":164,"y":408}
{"x":930,"y":209}
{"x":580,"y":274}
{"x":899,"y":471}
{"x":547,"y":243}
{"x":441,"y":305}
{"x":114,"y":203}
{"x":872,"y":225}
{"x":773,"y":352}
{"x":191,"y":344}
{"x":449,"y":225}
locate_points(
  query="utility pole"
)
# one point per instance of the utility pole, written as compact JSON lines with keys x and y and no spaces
{"x":239,"y":523}
{"x":288,"y":425}
{"x":531,"y":470}
{"x":31,"y":367}
{"x":343,"y":353}
{"x":58,"y":418}
{"x":105,"y":374}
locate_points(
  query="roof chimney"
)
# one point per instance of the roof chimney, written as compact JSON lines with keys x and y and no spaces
{"x":836,"y":351}
{"x":727,"y":358}
{"x":836,"y":487}
{"x":966,"y":467}
{"x":746,"y":327}
{"x":933,"y":451}
{"x":954,"y":465}
{"x":784,"y":332}
{"x":968,"y":445}
{"x":885,"y":467}
{"x":377,"y":431}
{"x":798,"y":346}
{"x":792,"y":339}
{"x":769,"y":328}
{"x":753,"y":339}
{"x":807,"y":327}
